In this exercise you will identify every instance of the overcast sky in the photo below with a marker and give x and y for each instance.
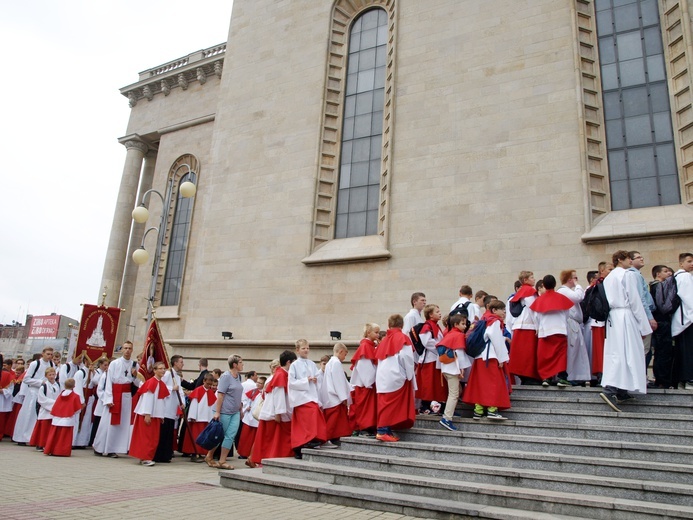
(63, 63)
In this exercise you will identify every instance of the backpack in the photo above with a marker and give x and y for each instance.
(462, 308)
(666, 297)
(211, 436)
(414, 334)
(475, 341)
(516, 308)
(597, 305)
(445, 355)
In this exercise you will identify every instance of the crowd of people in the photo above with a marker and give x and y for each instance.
(424, 362)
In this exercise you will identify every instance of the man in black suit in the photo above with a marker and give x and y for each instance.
(203, 364)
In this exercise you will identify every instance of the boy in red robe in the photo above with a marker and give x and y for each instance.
(47, 394)
(149, 414)
(65, 414)
(523, 345)
(552, 309)
(363, 412)
(200, 412)
(394, 381)
(430, 384)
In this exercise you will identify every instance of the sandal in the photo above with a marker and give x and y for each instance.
(250, 463)
(212, 463)
(224, 466)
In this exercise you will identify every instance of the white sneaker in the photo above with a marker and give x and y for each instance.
(147, 462)
(329, 445)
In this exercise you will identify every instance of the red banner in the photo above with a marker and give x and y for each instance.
(97, 331)
(154, 351)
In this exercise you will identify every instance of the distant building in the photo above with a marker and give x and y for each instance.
(39, 332)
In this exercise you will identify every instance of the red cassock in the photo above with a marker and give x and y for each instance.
(307, 424)
(523, 353)
(552, 355)
(40, 434)
(196, 427)
(59, 440)
(145, 437)
(245, 443)
(12, 419)
(396, 409)
(598, 338)
(487, 385)
(363, 412)
(5, 381)
(272, 440)
(430, 383)
(337, 421)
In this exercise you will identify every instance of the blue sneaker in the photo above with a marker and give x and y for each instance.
(448, 424)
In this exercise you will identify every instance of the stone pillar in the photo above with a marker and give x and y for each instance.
(122, 220)
(127, 290)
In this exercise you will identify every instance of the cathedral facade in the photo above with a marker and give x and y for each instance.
(347, 153)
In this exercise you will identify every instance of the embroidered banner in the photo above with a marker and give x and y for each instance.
(154, 350)
(97, 331)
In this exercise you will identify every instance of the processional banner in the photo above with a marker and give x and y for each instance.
(97, 331)
(154, 351)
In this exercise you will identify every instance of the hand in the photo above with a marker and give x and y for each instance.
(109, 404)
(217, 415)
(500, 365)
(134, 373)
(278, 418)
(147, 419)
(653, 324)
(312, 379)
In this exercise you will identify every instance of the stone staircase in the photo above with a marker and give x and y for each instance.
(563, 453)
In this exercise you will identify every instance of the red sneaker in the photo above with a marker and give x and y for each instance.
(386, 437)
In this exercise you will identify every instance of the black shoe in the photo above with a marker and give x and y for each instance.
(97, 453)
(610, 400)
(298, 455)
(21, 444)
(113, 455)
(625, 398)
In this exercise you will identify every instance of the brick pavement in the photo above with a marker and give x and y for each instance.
(86, 487)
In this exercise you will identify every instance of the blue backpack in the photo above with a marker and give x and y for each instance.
(476, 343)
(211, 436)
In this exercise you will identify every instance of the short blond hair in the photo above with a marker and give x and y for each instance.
(301, 342)
(339, 347)
(370, 327)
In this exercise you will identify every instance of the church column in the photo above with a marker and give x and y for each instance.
(122, 219)
(127, 291)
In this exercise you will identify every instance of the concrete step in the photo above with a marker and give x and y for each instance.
(589, 403)
(653, 395)
(601, 420)
(615, 432)
(555, 502)
(505, 441)
(628, 489)
(257, 481)
(609, 467)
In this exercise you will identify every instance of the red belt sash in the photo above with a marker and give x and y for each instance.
(118, 391)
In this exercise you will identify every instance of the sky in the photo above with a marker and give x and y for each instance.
(62, 113)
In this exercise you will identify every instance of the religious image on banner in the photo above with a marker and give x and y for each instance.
(154, 351)
(97, 331)
(73, 333)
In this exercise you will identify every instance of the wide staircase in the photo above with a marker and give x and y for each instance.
(563, 453)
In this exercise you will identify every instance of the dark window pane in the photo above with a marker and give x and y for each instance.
(655, 68)
(662, 126)
(348, 131)
(346, 152)
(351, 84)
(377, 123)
(619, 195)
(617, 165)
(356, 227)
(372, 222)
(361, 150)
(359, 174)
(632, 72)
(345, 176)
(353, 65)
(376, 147)
(653, 41)
(669, 189)
(614, 133)
(641, 162)
(666, 161)
(341, 226)
(635, 101)
(604, 24)
(369, 38)
(626, 18)
(379, 81)
(629, 46)
(373, 197)
(638, 130)
(612, 106)
(607, 50)
(609, 77)
(374, 173)
(367, 59)
(381, 56)
(643, 192)
(659, 97)
(343, 204)
(362, 126)
(364, 103)
(650, 13)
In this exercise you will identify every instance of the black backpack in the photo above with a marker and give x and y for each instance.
(597, 305)
(462, 308)
(414, 334)
(666, 297)
(516, 308)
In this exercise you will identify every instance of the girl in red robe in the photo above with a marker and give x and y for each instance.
(149, 414)
(65, 417)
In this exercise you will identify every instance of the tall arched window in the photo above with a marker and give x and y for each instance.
(179, 231)
(362, 128)
(639, 134)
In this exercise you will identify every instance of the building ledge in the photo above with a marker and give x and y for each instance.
(658, 222)
(349, 250)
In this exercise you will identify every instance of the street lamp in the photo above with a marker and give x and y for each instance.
(141, 214)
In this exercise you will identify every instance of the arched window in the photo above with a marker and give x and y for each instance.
(637, 115)
(184, 169)
(358, 196)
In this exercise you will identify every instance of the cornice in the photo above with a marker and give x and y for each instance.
(179, 73)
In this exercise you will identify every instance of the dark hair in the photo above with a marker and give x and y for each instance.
(619, 256)
(480, 294)
(455, 320)
(286, 356)
(658, 269)
(539, 285)
(209, 376)
(496, 305)
(175, 358)
(683, 256)
(395, 321)
(591, 275)
(549, 282)
(633, 254)
(488, 299)
(517, 284)
(203, 362)
(416, 296)
(250, 374)
(466, 290)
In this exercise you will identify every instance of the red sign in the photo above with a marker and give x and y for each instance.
(97, 331)
(44, 327)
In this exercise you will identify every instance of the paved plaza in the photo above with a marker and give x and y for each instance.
(35, 486)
